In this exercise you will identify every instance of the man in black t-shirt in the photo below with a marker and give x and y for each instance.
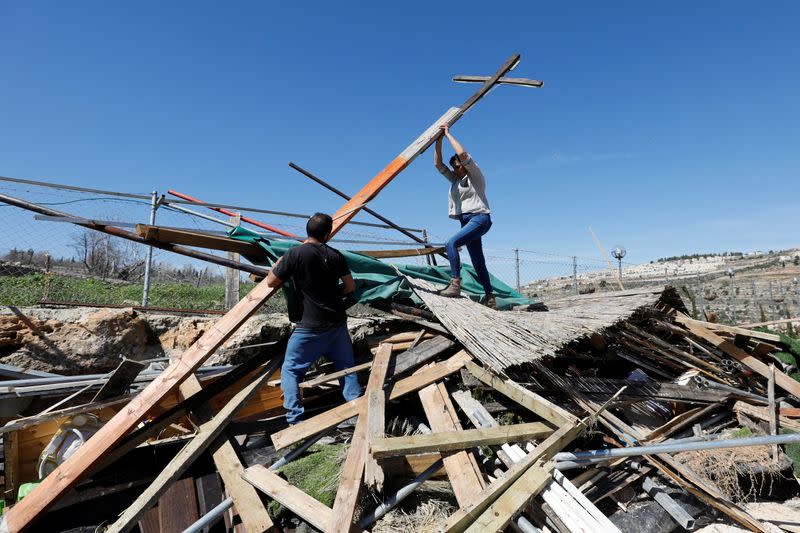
(315, 270)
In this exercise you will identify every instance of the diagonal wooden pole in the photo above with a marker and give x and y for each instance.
(54, 486)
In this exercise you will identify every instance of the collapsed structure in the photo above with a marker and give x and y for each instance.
(593, 383)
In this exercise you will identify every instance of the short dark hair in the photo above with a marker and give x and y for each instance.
(319, 226)
(453, 160)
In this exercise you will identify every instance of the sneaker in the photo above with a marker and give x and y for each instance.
(490, 301)
(453, 290)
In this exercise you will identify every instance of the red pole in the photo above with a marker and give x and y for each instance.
(231, 213)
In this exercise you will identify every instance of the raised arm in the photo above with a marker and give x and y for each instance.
(437, 152)
(460, 152)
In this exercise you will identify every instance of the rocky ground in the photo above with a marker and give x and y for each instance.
(93, 340)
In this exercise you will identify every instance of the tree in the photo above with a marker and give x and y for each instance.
(104, 257)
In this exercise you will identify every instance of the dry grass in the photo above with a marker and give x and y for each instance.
(725, 468)
(427, 517)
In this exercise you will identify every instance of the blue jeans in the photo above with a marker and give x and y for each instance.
(305, 347)
(473, 227)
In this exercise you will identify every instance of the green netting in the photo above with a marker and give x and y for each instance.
(377, 281)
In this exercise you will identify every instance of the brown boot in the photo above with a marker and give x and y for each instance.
(453, 290)
(490, 301)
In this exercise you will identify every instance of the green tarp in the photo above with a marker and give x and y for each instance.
(378, 282)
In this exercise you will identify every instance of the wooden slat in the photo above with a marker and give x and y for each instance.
(99, 445)
(498, 515)
(458, 440)
(462, 518)
(198, 240)
(252, 512)
(376, 416)
(462, 469)
(207, 433)
(344, 506)
(330, 418)
(529, 399)
(781, 379)
(300, 503)
(388, 254)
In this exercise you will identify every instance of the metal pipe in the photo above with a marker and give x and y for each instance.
(110, 230)
(249, 220)
(148, 265)
(210, 517)
(399, 496)
(655, 449)
(380, 217)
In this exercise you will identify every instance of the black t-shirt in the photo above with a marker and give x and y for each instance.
(315, 270)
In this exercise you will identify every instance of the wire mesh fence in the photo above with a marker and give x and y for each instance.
(49, 259)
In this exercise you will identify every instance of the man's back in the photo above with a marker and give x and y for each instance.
(315, 270)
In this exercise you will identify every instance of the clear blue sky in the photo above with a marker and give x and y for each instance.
(669, 128)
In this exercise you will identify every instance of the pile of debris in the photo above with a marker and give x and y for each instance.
(608, 412)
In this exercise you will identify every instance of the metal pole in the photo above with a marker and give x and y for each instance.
(615, 453)
(431, 259)
(516, 267)
(619, 267)
(575, 274)
(677, 512)
(753, 316)
(380, 217)
(782, 300)
(666, 278)
(732, 298)
(149, 263)
(796, 296)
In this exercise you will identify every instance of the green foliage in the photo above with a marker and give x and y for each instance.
(741, 433)
(29, 289)
(793, 451)
(690, 294)
(316, 474)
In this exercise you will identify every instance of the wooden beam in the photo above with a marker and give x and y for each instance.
(532, 401)
(553, 444)
(763, 413)
(334, 416)
(207, 433)
(300, 503)
(344, 506)
(419, 145)
(462, 468)
(409, 252)
(526, 82)
(252, 512)
(458, 440)
(197, 239)
(781, 379)
(771, 337)
(376, 416)
(98, 446)
(498, 515)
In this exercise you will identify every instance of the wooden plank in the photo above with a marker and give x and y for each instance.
(11, 467)
(198, 240)
(120, 380)
(99, 445)
(498, 515)
(532, 401)
(738, 330)
(231, 274)
(782, 380)
(330, 418)
(762, 413)
(462, 469)
(553, 444)
(344, 506)
(409, 252)
(207, 433)
(245, 498)
(376, 416)
(419, 145)
(177, 508)
(458, 440)
(300, 503)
